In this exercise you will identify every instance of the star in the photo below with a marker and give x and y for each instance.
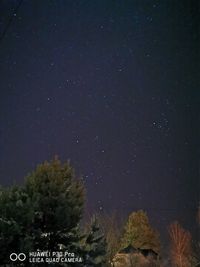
(116, 96)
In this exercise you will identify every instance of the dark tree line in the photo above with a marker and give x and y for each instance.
(45, 213)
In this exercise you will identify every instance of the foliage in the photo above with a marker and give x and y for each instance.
(139, 233)
(44, 213)
(57, 200)
(16, 217)
(95, 246)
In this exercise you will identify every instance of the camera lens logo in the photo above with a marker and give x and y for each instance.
(19, 257)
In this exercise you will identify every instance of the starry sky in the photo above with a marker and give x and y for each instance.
(112, 86)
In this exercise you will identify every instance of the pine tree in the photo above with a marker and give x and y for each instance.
(15, 219)
(43, 214)
(58, 200)
(95, 246)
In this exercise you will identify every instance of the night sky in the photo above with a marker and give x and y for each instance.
(111, 85)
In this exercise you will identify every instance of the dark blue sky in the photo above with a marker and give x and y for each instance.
(112, 85)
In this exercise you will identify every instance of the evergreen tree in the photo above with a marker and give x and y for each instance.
(139, 233)
(58, 200)
(15, 220)
(95, 246)
(43, 214)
